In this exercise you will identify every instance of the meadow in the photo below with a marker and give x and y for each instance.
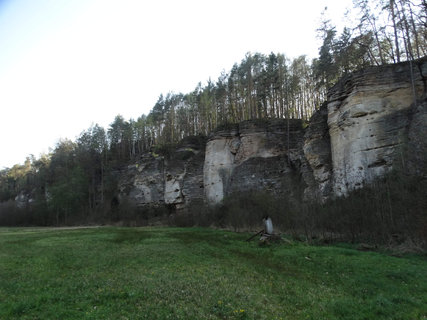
(199, 273)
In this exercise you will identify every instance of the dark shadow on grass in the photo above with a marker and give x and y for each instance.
(212, 237)
(264, 264)
(131, 236)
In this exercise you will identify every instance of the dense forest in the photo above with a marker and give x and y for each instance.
(77, 179)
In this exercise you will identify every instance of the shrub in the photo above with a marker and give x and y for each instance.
(390, 211)
(11, 215)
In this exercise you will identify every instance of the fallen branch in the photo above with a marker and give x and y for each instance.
(258, 233)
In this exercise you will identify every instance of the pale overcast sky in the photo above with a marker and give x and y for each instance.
(67, 64)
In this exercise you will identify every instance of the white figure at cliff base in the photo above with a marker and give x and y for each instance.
(268, 225)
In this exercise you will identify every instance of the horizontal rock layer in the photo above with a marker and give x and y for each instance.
(369, 116)
(257, 155)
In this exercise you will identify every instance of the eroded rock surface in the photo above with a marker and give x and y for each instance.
(369, 114)
(256, 155)
(156, 180)
(369, 125)
(317, 151)
(219, 164)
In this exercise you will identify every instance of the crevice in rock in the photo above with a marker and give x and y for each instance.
(381, 147)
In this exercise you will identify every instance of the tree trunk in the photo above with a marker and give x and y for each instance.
(396, 38)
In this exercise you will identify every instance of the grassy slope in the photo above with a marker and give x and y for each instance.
(171, 273)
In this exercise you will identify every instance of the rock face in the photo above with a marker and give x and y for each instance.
(417, 141)
(144, 181)
(219, 163)
(23, 199)
(369, 125)
(370, 114)
(317, 151)
(255, 155)
(157, 180)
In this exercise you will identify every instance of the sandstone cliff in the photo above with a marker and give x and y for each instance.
(368, 125)
(174, 180)
(373, 120)
(262, 155)
(317, 151)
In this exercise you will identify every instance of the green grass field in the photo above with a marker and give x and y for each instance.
(172, 273)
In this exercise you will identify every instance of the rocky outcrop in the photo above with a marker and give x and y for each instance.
(417, 141)
(369, 116)
(220, 154)
(369, 125)
(23, 199)
(255, 155)
(143, 182)
(174, 180)
(317, 151)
